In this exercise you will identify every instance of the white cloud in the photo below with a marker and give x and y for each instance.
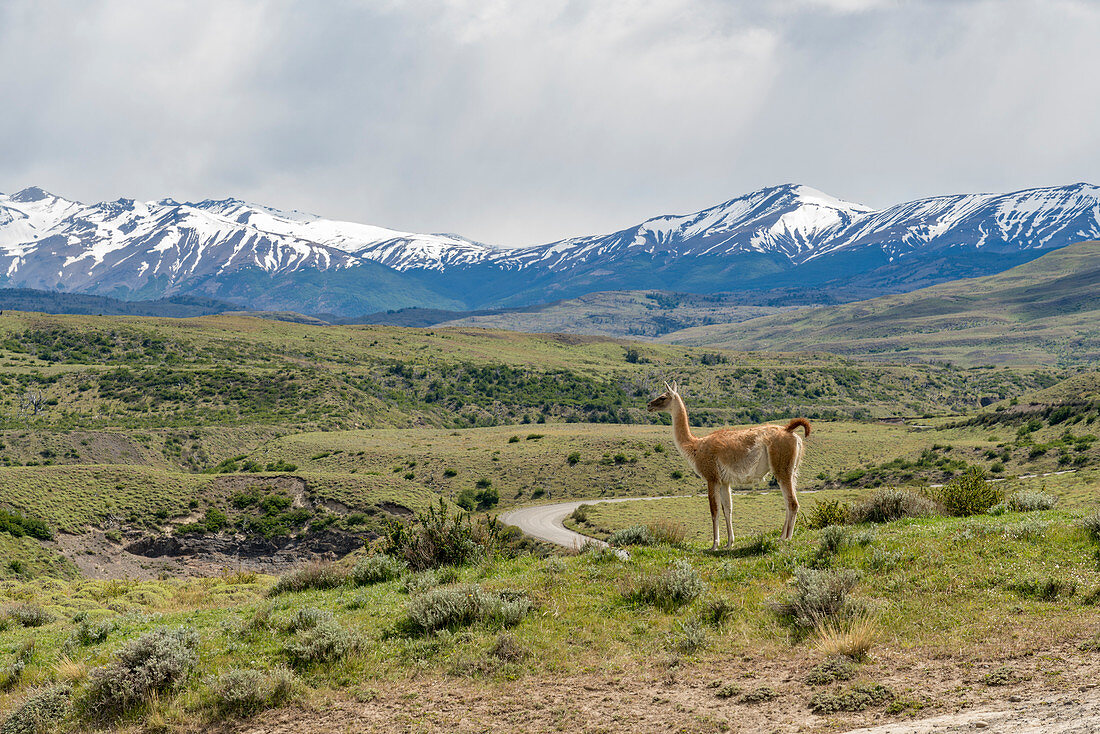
(517, 122)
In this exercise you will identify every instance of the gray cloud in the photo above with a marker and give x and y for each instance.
(518, 122)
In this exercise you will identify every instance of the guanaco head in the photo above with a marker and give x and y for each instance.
(664, 400)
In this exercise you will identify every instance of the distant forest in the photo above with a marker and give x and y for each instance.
(28, 299)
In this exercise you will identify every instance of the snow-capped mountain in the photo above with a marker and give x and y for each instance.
(782, 236)
(393, 248)
(1022, 220)
(789, 220)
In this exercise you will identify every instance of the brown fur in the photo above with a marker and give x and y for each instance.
(730, 456)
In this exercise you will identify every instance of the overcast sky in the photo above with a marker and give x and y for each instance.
(524, 121)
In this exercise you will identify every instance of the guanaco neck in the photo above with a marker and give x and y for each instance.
(680, 429)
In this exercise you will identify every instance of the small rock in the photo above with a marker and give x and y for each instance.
(980, 724)
(1015, 699)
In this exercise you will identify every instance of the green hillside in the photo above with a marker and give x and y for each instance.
(1046, 312)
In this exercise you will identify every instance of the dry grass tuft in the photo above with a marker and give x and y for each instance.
(668, 532)
(69, 670)
(852, 638)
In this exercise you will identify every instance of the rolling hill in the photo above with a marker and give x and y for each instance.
(1043, 312)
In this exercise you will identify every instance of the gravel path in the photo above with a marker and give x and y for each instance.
(1067, 714)
(546, 522)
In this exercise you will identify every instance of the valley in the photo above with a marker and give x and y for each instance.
(254, 480)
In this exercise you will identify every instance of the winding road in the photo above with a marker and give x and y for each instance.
(546, 522)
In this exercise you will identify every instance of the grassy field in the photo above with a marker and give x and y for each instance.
(214, 428)
(1042, 313)
(231, 371)
(945, 587)
(762, 510)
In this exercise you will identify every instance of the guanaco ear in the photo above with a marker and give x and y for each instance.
(675, 388)
(669, 387)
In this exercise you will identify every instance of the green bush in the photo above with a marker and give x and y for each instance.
(580, 514)
(1048, 589)
(834, 669)
(17, 525)
(376, 569)
(30, 615)
(313, 576)
(969, 494)
(717, 610)
(677, 586)
(1091, 525)
(819, 596)
(440, 539)
(687, 637)
(1025, 502)
(827, 512)
(41, 711)
(325, 642)
(88, 632)
(887, 505)
(462, 606)
(635, 535)
(238, 692)
(833, 539)
(156, 662)
(857, 698)
(306, 618)
(573, 458)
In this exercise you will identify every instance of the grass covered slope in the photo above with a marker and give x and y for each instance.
(1044, 312)
(731, 636)
(82, 372)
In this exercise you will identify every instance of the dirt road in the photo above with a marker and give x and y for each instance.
(545, 522)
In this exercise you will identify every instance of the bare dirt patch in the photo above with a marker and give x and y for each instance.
(1055, 691)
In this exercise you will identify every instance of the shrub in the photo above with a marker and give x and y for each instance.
(668, 532)
(677, 586)
(88, 632)
(306, 618)
(827, 512)
(635, 535)
(886, 505)
(30, 615)
(573, 458)
(440, 539)
(376, 569)
(10, 675)
(833, 538)
(1091, 526)
(418, 583)
(837, 668)
(1024, 502)
(41, 711)
(760, 544)
(969, 494)
(759, 695)
(509, 649)
(580, 514)
(313, 576)
(238, 692)
(687, 637)
(17, 525)
(1048, 589)
(461, 606)
(325, 642)
(857, 698)
(819, 596)
(156, 662)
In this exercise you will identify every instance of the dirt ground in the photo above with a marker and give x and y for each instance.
(1052, 690)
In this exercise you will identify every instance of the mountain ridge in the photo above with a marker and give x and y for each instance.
(785, 236)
